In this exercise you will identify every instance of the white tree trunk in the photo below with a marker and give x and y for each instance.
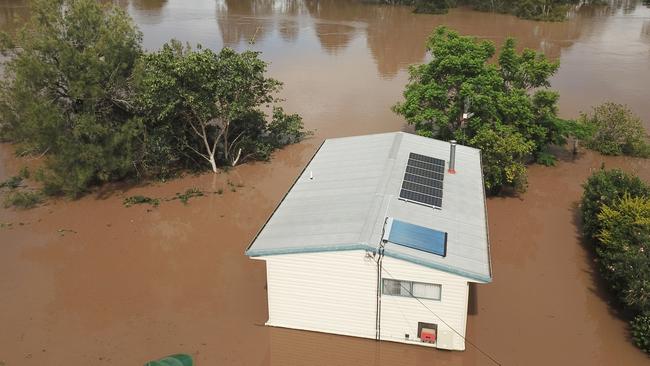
(234, 162)
(213, 163)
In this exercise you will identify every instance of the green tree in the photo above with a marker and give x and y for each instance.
(433, 6)
(210, 104)
(65, 91)
(436, 94)
(547, 10)
(615, 130)
(460, 92)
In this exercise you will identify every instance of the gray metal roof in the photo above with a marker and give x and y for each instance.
(343, 197)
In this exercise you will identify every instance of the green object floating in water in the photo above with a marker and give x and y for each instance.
(174, 360)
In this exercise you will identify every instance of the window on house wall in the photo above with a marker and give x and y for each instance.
(426, 290)
(421, 290)
(397, 288)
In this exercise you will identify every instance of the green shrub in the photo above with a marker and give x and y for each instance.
(285, 129)
(623, 250)
(433, 6)
(12, 182)
(189, 193)
(615, 130)
(616, 216)
(24, 173)
(547, 159)
(138, 200)
(23, 199)
(605, 187)
(640, 329)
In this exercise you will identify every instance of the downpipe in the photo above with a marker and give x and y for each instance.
(380, 258)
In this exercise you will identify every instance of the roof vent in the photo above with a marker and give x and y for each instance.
(452, 157)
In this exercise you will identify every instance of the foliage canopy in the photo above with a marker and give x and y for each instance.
(546, 10)
(461, 95)
(79, 89)
(210, 105)
(66, 91)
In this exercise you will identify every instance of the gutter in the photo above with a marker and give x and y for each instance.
(487, 226)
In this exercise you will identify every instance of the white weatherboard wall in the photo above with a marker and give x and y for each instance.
(333, 292)
(400, 315)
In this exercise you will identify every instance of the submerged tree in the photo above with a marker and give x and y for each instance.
(547, 10)
(211, 103)
(79, 90)
(65, 91)
(503, 149)
(614, 130)
(460, 93)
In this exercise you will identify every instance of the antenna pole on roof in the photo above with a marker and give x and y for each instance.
(452, 157)
(466, 113)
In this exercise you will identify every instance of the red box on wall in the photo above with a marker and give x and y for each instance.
(428, 335)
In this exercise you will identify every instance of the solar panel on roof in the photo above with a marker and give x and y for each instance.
(423, 180)
(427, 159)
(416, 237)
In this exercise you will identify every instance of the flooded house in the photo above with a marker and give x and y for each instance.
(380, 237)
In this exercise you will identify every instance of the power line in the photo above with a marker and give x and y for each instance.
(442, 320)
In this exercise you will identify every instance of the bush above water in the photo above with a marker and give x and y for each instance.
(615, 130)
(139, 200)
(616, 220)
(23, 199)
(623, 249)
(604, 188)
(640, 328)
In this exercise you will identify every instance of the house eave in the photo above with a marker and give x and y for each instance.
(474, 277)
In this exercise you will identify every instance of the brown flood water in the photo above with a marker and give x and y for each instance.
(126, 285)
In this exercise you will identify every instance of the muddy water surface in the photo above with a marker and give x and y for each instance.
(91, 282)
